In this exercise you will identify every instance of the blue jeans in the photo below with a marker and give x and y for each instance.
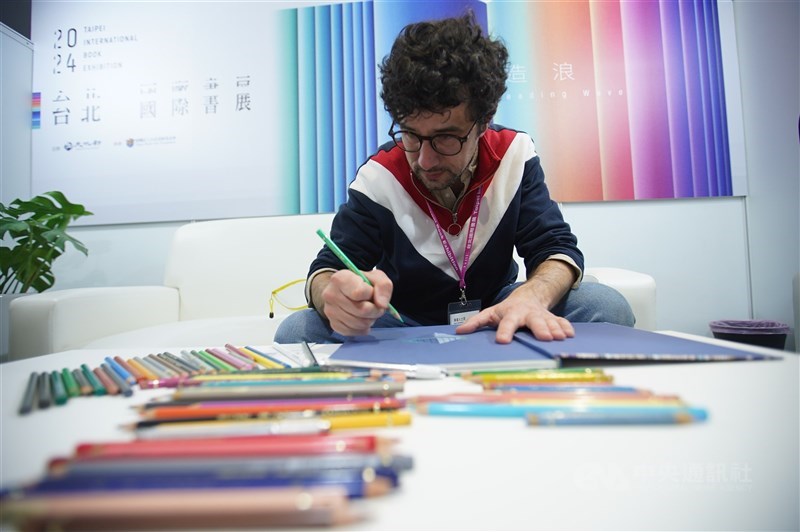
(590, 302)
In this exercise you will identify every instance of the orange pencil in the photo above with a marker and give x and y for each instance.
(141, 371)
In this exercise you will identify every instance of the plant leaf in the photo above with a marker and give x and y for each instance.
(33, 234)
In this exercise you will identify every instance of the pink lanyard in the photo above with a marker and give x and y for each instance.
(448, 249)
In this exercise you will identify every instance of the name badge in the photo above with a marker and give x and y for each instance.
(460, 311)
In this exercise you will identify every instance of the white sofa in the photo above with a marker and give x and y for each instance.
(217, 285)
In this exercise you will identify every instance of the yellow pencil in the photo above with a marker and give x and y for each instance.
(542, 377)
(264, 361)
(367, 420)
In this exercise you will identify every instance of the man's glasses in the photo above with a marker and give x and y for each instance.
(443, 143)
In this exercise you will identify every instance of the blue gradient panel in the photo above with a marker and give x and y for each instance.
(351, 161)
(678, 118)
(288, 120)
(359, 129)
(339, 129)
(307, 110)
(370, 79)
(723, 159)
(324, 131)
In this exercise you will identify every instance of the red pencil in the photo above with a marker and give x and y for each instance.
(284, 445)
(110, 386)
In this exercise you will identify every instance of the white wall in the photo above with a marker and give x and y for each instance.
(768, 34)
(723, 258)
(16, 75)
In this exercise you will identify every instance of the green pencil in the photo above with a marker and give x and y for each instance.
(59, 390)
(69, 382)
(352, 267)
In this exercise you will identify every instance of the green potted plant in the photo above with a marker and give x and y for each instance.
(33, 234)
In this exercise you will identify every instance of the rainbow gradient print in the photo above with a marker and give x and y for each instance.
(625, 100)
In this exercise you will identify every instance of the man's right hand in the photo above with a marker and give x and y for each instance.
(349, 304)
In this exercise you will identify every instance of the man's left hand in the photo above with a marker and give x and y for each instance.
(528, 306)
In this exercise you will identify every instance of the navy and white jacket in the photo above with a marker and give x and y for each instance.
(386, 224)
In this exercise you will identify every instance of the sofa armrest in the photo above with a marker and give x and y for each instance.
(67, 319)
(638, 288)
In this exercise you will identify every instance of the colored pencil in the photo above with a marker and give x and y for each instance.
(275, 376)
(120, 371)
(324, 422)
(230, 359)
(127, 367)
(361, 420)
(190, 367)
(59, 390)
(477, 373)
(232, 465)
(541, 377)
(164, 509)
(69, 383)
(207, 367)
(509, 397)
(588, 387)
(97, 386)
(123, 386)
(110, 386)
(210, 359)
(656, 417)
(229, 427)
(45, 395)
(160, 369)
(356, 483)
(141, 372)
(252, 351)
(284, 445)
(29, 397)
(204, 393)
(238, 408)
(522, 410)
(294, 380)
(353, 268)
(177, 369)
(83, 383)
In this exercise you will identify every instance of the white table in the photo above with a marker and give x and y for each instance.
(739, 470)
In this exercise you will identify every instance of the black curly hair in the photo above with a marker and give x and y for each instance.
(436, 65)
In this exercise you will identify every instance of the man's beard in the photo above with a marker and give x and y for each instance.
(438, 184)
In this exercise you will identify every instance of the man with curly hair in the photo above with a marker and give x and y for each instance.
(433, 218)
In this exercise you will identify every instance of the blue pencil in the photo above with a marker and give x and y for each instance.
(119, 370)
(353, 480)
(656, 417)
(523, 410)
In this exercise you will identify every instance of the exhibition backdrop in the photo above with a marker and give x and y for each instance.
(160, 111)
